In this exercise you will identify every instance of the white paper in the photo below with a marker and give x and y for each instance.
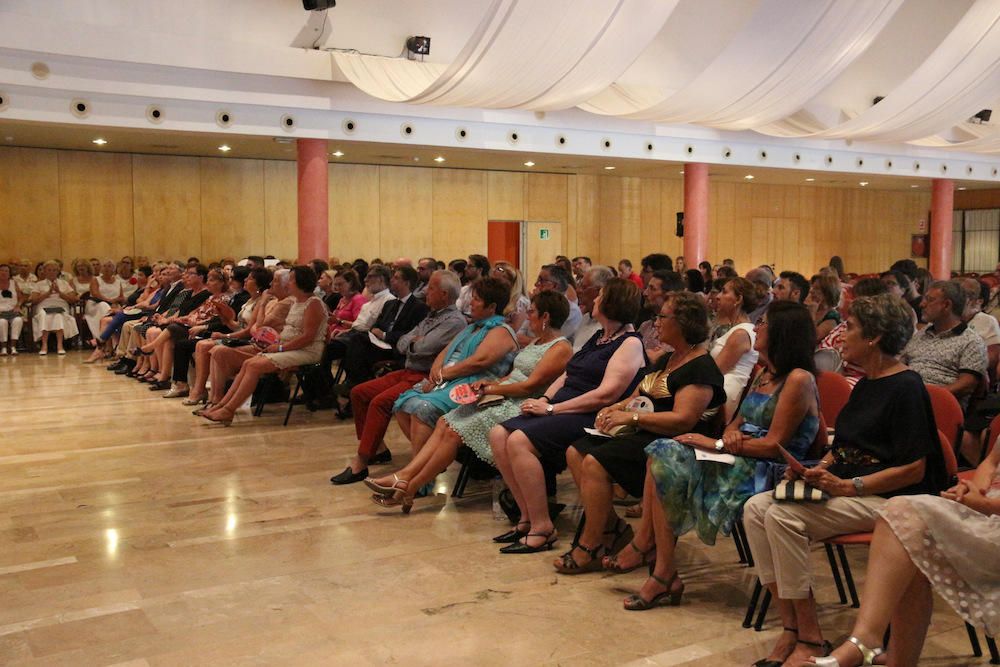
(594, 431)
(702, 455)
(378, 343)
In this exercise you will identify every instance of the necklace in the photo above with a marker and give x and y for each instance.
(671, 366)
(603, 340)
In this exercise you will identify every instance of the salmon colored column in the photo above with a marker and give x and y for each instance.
(695, 214)
(314, 206)
(942, 207)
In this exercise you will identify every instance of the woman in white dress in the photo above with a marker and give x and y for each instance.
(732, 339)
(106, 291)
(52, 297)
(10, 311)
(949, 544)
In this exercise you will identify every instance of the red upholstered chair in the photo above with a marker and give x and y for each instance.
(947, 412)
(834, 391)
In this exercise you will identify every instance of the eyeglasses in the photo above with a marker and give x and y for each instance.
(543, 281)
(668, 316)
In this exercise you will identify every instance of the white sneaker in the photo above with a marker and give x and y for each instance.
(61, 352)
(13, 351)
(42, 353)
(3, 352)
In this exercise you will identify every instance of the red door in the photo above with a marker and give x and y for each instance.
(503, 241)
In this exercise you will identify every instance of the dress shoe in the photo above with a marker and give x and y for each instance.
(348, 477)
(176, 393)
(159, 386)
(384, 456)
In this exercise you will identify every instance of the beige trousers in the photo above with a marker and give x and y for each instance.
(780, 534)
(125, 337)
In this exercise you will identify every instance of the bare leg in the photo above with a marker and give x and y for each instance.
(167, 360)
(527, 470)
(420, 459)
(441, 451)
(666, 541)
(644, 534)
(419, 433)
(44, 341)
(202, 363)
(244, 385)
(501, 456)
(809, 630)
(595, 493)
(59, 340)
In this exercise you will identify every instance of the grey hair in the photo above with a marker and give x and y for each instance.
(600, 275)
(450, 283)
(284, 275)
(179, 264)
(953, 292)
(886, 317)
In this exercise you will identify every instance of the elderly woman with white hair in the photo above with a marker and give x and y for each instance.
(107, 290)
(52, 297)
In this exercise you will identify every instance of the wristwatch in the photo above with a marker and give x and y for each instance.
(859, 485)
(549, 409)
(720, 446)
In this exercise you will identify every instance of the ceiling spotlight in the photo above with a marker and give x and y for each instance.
(224, 148)
(914, 186)
(681, 172)
(418, 46)
(337, 153)
(529, 163)
(610, 168)
(100, 142)
(810, 180)
(439, 158)
(862, 183)
(748, 177)
(963, 188)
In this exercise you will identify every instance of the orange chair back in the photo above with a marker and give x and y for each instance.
(947, 412)
(834, 391)
(950, 462)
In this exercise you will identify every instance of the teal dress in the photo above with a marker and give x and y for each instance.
(428, 407)
(473, 424)
(707, 496)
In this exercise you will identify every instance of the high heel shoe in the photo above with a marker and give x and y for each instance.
(646, 557)
(225, 421)
(397, 499)
(387, 490)
(868, 655)
(194, 400)
(569, 565)
(525, 548)
(668, 598)
(205, 408)
(513, 535)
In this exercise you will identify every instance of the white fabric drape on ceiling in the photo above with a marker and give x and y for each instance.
(959, 78)
(523, 54)
(782, 57)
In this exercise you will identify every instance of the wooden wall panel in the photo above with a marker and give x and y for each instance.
(281, 210)
(671, 201)
(611, 202)
(586, 222)
(29, 204)
(458, 214)
(405, 212)
(355, 226)
(650, 227)
(505, 195)
(976, 199)
(95, 204)
(232, 207)
(547, 199)
(631, 219)
(166, 201)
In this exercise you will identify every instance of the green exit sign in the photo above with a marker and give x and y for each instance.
(543, 234)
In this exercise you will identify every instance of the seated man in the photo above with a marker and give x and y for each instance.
(947, 352)
(658, 286)
(398, 317)
(553, 277)
(372, 401)
(593, 282)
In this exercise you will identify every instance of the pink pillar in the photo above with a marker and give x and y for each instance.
(695, 214)
(314, 205)
(942, 206)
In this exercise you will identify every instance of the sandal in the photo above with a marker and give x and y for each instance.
(568, 565)
(398, 498)
(623, 535)
(513, 535)
(387, 490)
(766, 662)
(668, 598)
(868, 655)
(525, 548)
(645, 558)
(194, 400)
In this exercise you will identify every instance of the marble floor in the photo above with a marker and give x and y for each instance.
(132, 533)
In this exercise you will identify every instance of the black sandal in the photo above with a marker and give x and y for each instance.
(623, 534)
(568, 565)
(513, 535)
(764, 662)
(525, 548)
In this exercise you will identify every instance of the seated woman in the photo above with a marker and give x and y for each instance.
(732, 343)
(51, 297)
(835, 339)
(301, 343)
(106, 292)
(10, 312)
(483, 350)
(949, 544)
(822, 300)
(515, 311)
(344, 301)
(535, 367)
(685, 389)
(142, 299)
(530, 449)
(683, 493)
(886, 445)
(240, 330)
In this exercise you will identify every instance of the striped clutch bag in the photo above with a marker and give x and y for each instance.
(798, 491)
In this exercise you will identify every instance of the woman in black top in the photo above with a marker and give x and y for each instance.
(886, 444)
(686, 391)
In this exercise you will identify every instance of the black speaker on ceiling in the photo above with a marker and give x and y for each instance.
(680, 224)
(318, 5)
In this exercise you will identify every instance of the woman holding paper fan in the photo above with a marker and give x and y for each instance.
(687, 490)
(536, 366)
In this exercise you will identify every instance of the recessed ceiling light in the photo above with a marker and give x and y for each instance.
(337, 153)
(610, 168)
(439, 158)
(681, 172)
(748, 177)
(963, 188)
(529, 163)
(100, 142)
(810, 180)
(914, 186)
(862, 183)
(224, 148)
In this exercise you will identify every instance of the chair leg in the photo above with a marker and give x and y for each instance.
(991, 644)
(848, 576)
(752, 605)
(739, 544)
(463, 474)
(746, 544)
(835, 571)
(977, 650)
(291, 399)
(764, 604)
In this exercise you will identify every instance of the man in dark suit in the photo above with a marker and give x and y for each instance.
(396, 319)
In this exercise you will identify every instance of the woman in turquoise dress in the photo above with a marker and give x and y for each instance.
(483, 350)
(683, 493)
(536, 366)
